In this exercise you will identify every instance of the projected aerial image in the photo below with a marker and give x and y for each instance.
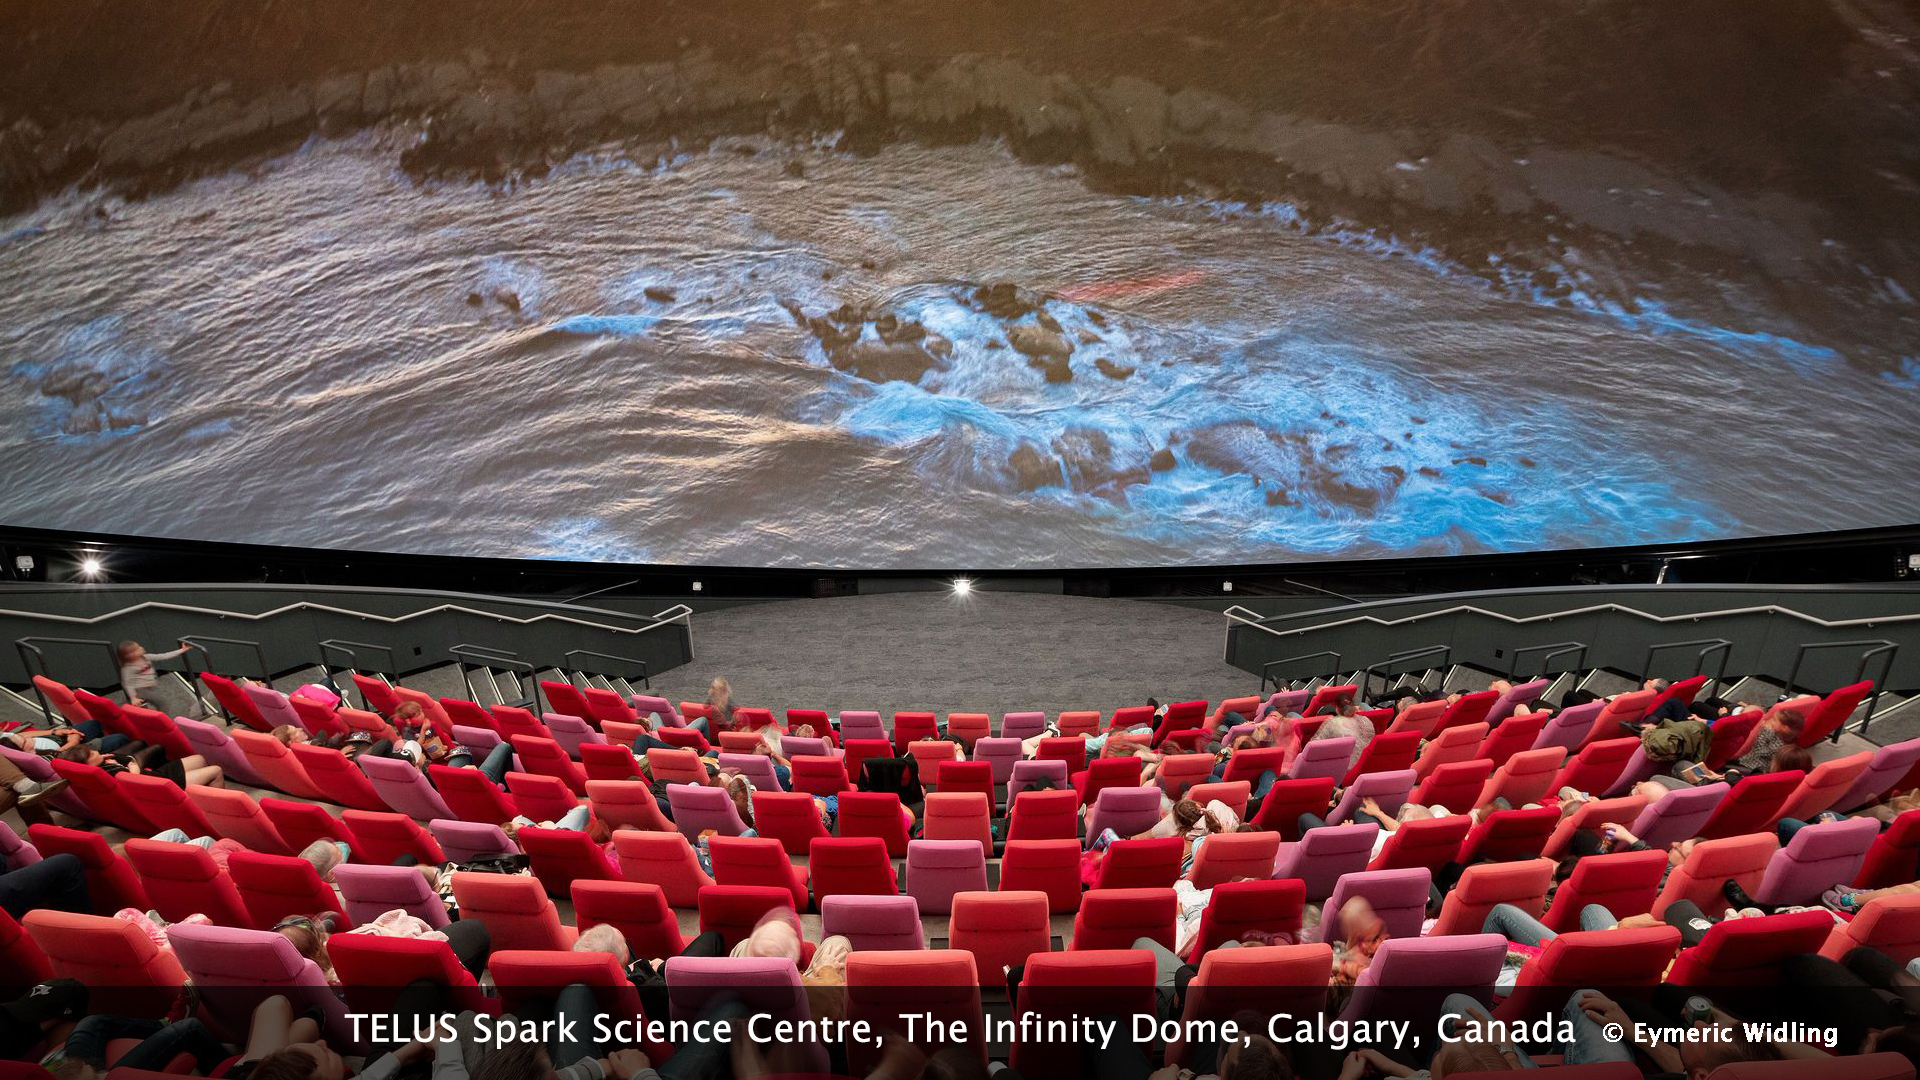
(915, 285)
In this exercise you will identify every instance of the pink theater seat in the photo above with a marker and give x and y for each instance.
(1144, 864)
(471, 796)
(747, 860)
(235, 816)
(275, 886)
(875, 813)
(560, 857)
(1398, 897)
(1280, 980)
(1026, 773)
(1817, 858)
(1116, 918)
(230, 966)
(733, 911)
(1625, 883)
(540, 797)
(1678, 815)
(757, 768)
(1047, 866)
(804, 746)
(371, 891)
(276, 764)
(1128, 811)
(1021, 726)
(858, 866)
(639, 910)
(664, 858)
(1525, 778)
(466, 841)
(103, 951)
(163, 804)
(769, 986)
(626, 804)
(1389, 987)
(697, 809)
(1320, 856)
(1505, 835)
(1590, 817)
(214, 744)
(1389, 789)
(181, 880)
(1243, 907)
(402, 787)
(1000, 930)
(1824, 786)
(111, 883)
(515, 909)
(1522, 884)
(571, 734)
(1325, 758)
(1622, 960)
(1569, 728)
(16, 852)
(1429, 843)
(862, 725)
(1888, 766)
(546, 758)
(344, 784)
(1711, 864)
(1455, 787)
(1753, 805)
(646, 705)
(273, 706)
(381, 839)
(888, 923)
(1230, 856)
(1096, 982)
(938, 869)
(1507, 704)
(819, 775)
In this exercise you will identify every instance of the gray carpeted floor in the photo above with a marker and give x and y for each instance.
(988, 652)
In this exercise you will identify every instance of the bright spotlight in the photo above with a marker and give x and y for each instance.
(90, 566)
(962, 586)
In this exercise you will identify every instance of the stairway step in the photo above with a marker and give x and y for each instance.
(1606, 683)
(1754, 690)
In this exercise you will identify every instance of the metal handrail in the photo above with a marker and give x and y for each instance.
(487, 658)
(573, 668)
(259, 654)
(1240, 614)
(32, 656)
(1266, 669)
(1557, 648)
(347, 648)
(1713, 645)
(1384, 667)
(678, 613)
(1880, 647)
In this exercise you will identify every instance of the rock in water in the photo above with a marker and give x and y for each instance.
(659, 294)
(1036, 341)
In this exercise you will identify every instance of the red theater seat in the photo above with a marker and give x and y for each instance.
(1455, 787)
(1147, 864)
(1385, 753)
(1240, 907)
(1625, 883)
(1229, 856)
(104, 801)
(1597, 766)
(734, 910)
(755, 860)
(515, 909)
(963, 777)
(665, 859)
(874, 813)
(1116, 918)
(235, 816)
(1279, 980)
(910, 727)
(1116, 982)
(275, 886)
(373, 969)
(1280, 811)
(560, 857)
(626, 804)
(101, 951)
(381, 839)
(111, 883)
(1000, 930)
(542, 797)
(884, 988)
(1711, 864)
(850, 866)
(606, 761)
(1753, 805)
(164, 804)
(1743, 956)
(471, 796)
(1522, 884)
(235, 701)
(1044, 815)
(1429, 843)
(331, 772)
(1518, 733)
(1510, 834)
(1622, 960)
(1893, 855)
(969, 728)
(181, 880)
(639, 910)
(545, 757)
(790, 818)
(822, 776)
(1051, 867)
